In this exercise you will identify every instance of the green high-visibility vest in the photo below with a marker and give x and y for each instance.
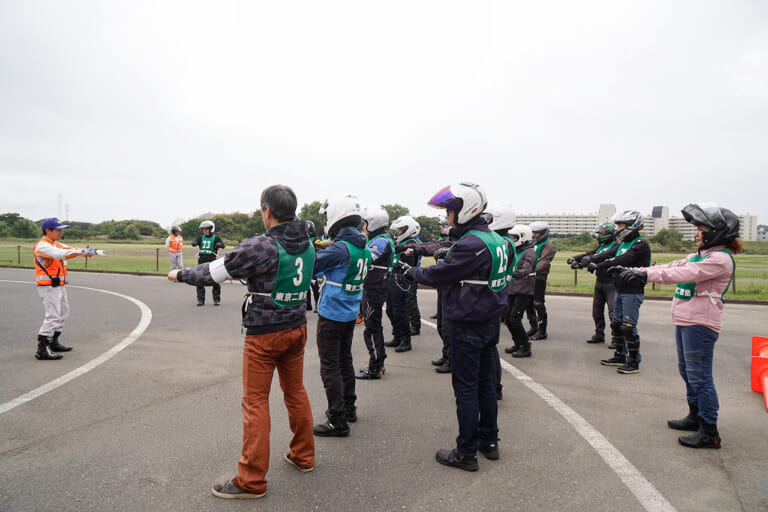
(206, 244)
(497, 279)
(294, 275)
(359, 264)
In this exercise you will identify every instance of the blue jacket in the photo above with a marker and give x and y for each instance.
(332, 264)
(468, 259)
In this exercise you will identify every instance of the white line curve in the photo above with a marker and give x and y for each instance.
(146, 318)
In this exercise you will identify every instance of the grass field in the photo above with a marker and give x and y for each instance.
(751, 269)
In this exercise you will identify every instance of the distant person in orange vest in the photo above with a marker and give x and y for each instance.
(50, 277)
(173, 243)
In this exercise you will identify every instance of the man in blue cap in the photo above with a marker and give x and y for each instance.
(50, 277)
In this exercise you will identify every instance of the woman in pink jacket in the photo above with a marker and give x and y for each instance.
(697, 308)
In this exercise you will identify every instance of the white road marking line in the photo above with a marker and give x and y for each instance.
(645, 492)
(146, 318)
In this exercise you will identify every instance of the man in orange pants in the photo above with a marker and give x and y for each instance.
(278, 268)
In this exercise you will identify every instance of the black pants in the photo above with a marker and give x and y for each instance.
(373, 334)
(604, 295)
(537, 308)
(513, 318)
(397, 308)
(334, 346)
(414, 315)
(443, 326)
(215, 290)
(472, 361)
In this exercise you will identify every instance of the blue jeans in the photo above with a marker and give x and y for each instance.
(695, 351)
(626, 309)
(472, 371)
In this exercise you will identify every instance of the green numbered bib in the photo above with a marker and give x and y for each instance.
(206, 244)
(359, 264)
(294, 274)
(497, 279)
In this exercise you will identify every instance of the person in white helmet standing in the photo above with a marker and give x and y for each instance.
(521, 288)
(375, 288)
(475, 272)
(344, 266)
(545, 253)
(209, 244)
(402, 309)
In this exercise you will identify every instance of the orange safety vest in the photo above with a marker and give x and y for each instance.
(46, 267)
(175, 244)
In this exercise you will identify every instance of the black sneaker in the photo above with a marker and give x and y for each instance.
(404, 346)
(438, 362)
(630, 367)
(392, 343)
(328, 429)
(596, 339)
(201, 303)
(490, 450)
(523, 351)
(444, 368)
(415, 332)
(614, 361)
(512, 349)
(451, 458)
(217, 303)
(539, 335)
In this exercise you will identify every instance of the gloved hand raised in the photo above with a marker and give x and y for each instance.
(440, 253)
(629, 275)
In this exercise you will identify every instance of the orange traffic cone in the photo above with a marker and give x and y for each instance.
(760, 366)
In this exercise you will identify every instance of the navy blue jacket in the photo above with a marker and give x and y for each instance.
(469, 258)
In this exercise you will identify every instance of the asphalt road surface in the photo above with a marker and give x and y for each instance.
(153, 424)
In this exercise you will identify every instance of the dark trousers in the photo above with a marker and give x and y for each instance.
(373, 334)
(513, 317)
(537, 310)
(414, 315)
(472, 362)
(334, 346)
(443, 326)
(604, 295)
(215, 290)
(397, 308)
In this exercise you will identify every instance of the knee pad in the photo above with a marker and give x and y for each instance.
(616, 326)
(626, 331)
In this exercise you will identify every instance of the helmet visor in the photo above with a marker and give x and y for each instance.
(445, 199)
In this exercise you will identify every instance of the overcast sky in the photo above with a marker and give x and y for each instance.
(165, 110)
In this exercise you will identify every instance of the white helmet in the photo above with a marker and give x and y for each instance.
(338, 209)
(376, 218)
(409, 226)
(540, 226)
(466, 199)
(503, 216)
(523, 234)
(208, 224)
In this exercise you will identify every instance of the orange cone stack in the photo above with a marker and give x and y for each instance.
(760, 366)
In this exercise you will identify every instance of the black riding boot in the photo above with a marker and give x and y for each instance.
(618, 358)
(690, 422)
(43, 349)
(633, 365)
(56, 345)
(706, 437)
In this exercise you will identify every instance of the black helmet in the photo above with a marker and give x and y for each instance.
(632, 219)
(175, 229)
(604, 232)
(722, 222)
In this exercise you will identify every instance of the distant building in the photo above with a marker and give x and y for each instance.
(573, 224)
(762, 233)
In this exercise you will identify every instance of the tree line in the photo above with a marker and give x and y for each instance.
(241, 226)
